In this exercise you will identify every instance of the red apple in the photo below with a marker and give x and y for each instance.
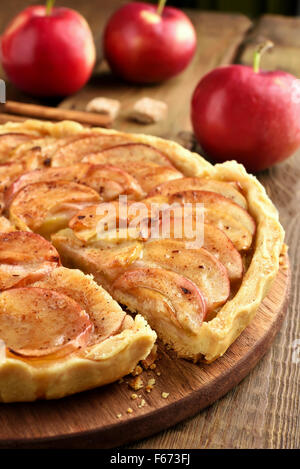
(48, 52)
(241, 113)
(146, 45)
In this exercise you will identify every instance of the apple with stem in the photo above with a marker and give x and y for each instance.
(147, 44)
(47, 51)
(247, 114)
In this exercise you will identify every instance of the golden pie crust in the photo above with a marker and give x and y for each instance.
(214, 337)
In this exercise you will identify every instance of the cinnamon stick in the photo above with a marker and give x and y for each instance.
(52, 113)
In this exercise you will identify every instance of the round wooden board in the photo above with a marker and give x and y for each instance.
(90, 419)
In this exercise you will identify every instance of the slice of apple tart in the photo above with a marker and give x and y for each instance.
(198, 297)
(60, 332)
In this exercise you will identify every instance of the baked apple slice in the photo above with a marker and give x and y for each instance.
(198, 265)
(111, 222)
(221, 212)
(36, 153)
(24, 258)
(180, 298)
(42, 323)
(227, 189)
(46, 207)
(10, 141)
(8, 173)
(5, 225)
(105, 313)
(108, 181)
(111, 181)
(131, 153)
(214, 240)
(72, 152)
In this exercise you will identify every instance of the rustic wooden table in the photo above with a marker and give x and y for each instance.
(263, 411)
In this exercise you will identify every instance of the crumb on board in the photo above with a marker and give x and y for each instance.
(133, 396)
(129, 410)
(165, 395)
(137, 371)
(150, 384)
(142, 403)
(136, 383)
(105, 106)
(119, 416)
(158, 373)
(148, 111)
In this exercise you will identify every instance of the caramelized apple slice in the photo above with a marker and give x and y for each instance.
(105, 313)
(41, 323)
(8, 173)
(38, 153)
(10, 141)
(24, 258)
(70, 173)
(221, 212)
(183, 299)
(111, 222)
(108, 181)
(35, 154)
(6, 226)
(45, 207)
(73, 152)
(198, 265)
(111, 181)
(131, 153)
(149, 175)
(214, 240)
(227, 189)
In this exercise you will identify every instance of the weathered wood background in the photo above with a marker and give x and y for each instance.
(263, 411)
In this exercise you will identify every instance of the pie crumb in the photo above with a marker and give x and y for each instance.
(134, 396)
(136, 383)
(137, 371)
(129, 410)
(119, 416)
(142, 403)
(165, 395)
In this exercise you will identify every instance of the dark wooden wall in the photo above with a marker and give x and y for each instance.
(248, 7)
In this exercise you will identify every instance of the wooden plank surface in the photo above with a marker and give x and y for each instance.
(191, 388)
(263, 411)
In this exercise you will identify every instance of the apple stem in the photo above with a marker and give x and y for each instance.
(262, 49)
(49, 6)
(161, 6)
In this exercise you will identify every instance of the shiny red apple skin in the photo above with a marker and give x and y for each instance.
(250, 117)
(48, 55)
(143, 47)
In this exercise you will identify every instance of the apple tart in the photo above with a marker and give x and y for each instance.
(197, 297)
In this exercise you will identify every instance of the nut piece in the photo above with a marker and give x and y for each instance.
(149, 111)
(106, 106)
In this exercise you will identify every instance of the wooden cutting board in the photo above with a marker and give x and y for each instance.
(90, 419)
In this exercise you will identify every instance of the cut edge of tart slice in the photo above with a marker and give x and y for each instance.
(109, 350)
(182, 303)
